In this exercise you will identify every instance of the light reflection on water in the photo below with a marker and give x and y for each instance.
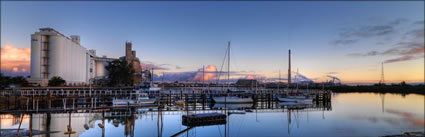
(352, 114)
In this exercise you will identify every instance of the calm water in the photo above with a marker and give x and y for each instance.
(350, 114)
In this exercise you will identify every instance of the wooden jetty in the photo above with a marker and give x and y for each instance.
(37, 100)
(204, 119)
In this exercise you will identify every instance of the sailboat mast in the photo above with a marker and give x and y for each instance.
(289, 69)
(228, 66)
(151, 84)
(163, 75)
(296, 79)
(203, 77)
(203, 74)
(278, 82)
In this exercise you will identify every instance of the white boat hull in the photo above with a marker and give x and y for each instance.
(288, 103)
(305, 101)
(232, 99)
(233, 106)
(122, 102)
(287, 99)
(146, 101)
(299, 99)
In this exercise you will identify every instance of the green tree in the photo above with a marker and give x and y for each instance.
(403, 83)
(56, 81)
(5, 81)
(120, 73)
(20, 80)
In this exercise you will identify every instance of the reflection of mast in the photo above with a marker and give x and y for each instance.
(307, 117)
(297, 119)
(289, 121)
(159, 126)
(103, 124)
(382, 102)
(256, 117)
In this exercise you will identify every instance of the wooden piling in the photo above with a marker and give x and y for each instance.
(30, 125)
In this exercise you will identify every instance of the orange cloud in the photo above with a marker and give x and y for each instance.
(15, 59)
(210, 71)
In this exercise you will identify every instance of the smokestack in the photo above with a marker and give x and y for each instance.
(289, 68)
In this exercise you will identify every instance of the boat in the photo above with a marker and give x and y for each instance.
(288, 103)
(240, 106)
(305, 101)
(299, 99)
(232, 99)
(180, 103)
(296, 97)
(236, 112)
(286, 99)
(294, 105)
(143, 98)
(122, 102)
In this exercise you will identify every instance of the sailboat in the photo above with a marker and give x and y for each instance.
(231, 99)
(143, 98)
(297, 97)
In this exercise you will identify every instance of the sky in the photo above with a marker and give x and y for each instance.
(348, 40)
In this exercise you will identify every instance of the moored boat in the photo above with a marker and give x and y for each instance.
(143, 98)
(122, 102)
(296, 98)
(239, 106)
(232, 99)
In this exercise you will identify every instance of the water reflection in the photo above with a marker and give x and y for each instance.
(368, 115)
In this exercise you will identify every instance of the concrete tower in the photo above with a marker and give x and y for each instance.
(128, 52)
(54, 54)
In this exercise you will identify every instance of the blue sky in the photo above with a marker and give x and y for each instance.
(191, 34)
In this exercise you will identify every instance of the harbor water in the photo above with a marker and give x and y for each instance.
(348, 114)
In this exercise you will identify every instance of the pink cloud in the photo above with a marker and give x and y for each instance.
(15, 59)
(255, 76)
(210, 73)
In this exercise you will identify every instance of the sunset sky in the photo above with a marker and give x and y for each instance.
(348, 40)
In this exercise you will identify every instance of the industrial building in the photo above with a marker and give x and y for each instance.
(130, 57)
(53, 54)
